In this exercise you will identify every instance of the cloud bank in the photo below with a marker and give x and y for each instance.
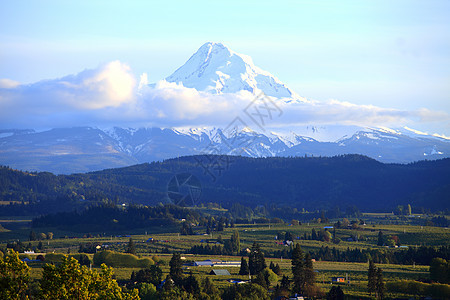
(111, 96)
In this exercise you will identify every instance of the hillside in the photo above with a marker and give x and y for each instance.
(310, 183)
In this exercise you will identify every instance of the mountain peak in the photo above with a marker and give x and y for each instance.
(217, 69)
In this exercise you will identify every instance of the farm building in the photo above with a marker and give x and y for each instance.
(217, 263)
(227, 263)
(206, 263)
(338, 279)
(220, 272)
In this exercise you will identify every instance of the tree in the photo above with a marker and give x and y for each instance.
(32, 235)
(261, 280)
(131, 247)
(285, 283)
(380, 238)
(256, 260)
(176, 272)
(298, 270)
(49, 235)
(244, 267)
(220, 225)
(14, 276)
(275, 268)
(152, 275)
(409, 210)
(313, 234)
(210, 289)
(147, 291)
(380, 284)
(270, 276)
(345, 223)
(335, 293)
(309, 274)
(371, 276)
(325, 235)
(245, 291)
(191, 284)
(235, 242)
(186, 229)
(69, 280)
(440, 270)
(288, 236)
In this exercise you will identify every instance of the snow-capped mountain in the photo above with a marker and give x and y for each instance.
(217, 69)
(83, 149)
(214, 68)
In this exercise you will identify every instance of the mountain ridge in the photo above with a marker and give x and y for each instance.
(84, 149)
(311, 183)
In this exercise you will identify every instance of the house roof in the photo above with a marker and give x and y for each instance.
(203, 263)
(222, 272)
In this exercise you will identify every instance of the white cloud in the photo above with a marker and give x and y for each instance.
(110, 85)
(6, 83)
(109, 95)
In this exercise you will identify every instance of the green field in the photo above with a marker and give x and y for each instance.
(355, 273)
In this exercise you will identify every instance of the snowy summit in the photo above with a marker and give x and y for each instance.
(216, 69)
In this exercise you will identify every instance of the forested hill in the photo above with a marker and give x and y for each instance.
(310, 183)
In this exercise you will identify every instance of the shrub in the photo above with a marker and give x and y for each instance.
(116, 259)
(23, 256)
(54, 257)
(412, 287)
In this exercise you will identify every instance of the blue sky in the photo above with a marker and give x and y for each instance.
(391, 54)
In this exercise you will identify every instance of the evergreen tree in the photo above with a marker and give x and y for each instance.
(285, 283)
(32, 235)
(244, 267)
(298, 267)
(191, 284)
(309, 274)
(261, 280)
(313, 234)
(235, 242)
(372, 278)
(168, 283)
(256, 260)
(277, 269)
(288, 236)
(209, 288)
(380, 238)
(440, 270)
(220, 225)
(131, 247)
(335, 293)
(176, 272)
(409, 210)
(380, 284)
